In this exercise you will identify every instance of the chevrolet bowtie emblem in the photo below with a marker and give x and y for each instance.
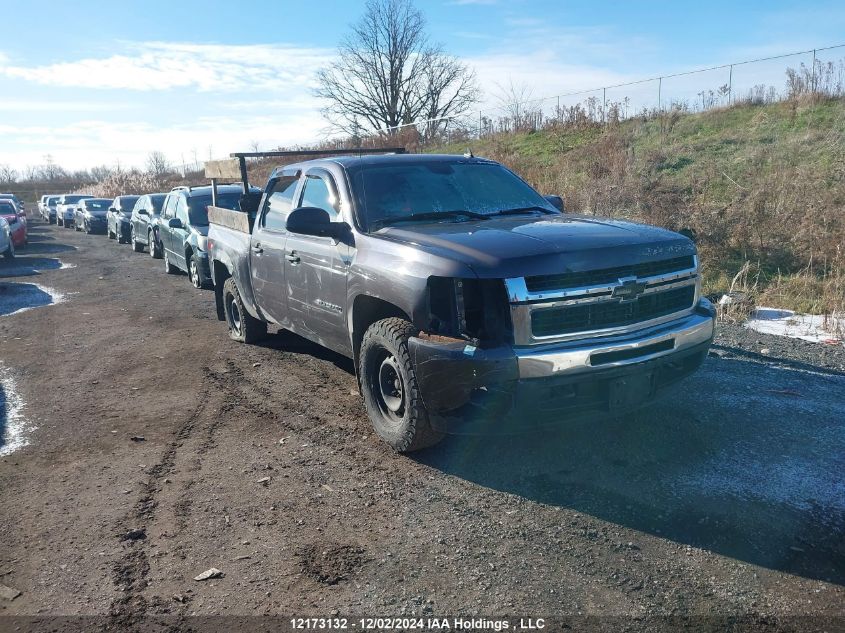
(629, 289)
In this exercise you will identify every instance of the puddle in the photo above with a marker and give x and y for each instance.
(14, 428)
(26, 266)
(20, 297)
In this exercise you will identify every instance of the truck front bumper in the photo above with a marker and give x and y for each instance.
(462, 385)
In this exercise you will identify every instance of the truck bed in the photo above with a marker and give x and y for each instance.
(235, 220)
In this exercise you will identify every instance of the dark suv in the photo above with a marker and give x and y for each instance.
(90, 215)
(118, 218)
(183, 228)
(143, 225)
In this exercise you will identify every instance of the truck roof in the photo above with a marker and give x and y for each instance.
(350, 162)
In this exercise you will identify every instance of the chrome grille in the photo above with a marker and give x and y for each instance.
(607, 314)
(607, 301)
(542, 283)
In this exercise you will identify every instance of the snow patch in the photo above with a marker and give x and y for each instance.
(808, 327)
(15, 429)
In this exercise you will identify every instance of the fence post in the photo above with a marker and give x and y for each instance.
(730, 84)
(604, 105)
(659, 94)
(814, 72)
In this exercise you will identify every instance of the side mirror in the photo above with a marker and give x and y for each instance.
(314, 221)
(112, 209)
(175, 223)
(143, 212)
(557, 202)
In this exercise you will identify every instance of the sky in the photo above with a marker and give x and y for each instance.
(104, 83)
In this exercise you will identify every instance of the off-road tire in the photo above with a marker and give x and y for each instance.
(243, 327)
(412, 430)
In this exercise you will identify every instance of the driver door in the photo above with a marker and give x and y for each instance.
(267, 248)
(316, 268)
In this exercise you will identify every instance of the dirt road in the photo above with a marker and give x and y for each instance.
(727, 498)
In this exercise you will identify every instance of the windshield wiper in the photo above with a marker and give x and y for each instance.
(431, 215)
(522, 210)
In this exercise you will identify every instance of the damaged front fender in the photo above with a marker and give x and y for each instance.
(449, 370)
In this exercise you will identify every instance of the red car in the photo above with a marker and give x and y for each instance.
(16, 220)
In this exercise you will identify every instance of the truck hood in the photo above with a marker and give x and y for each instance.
(521, 246)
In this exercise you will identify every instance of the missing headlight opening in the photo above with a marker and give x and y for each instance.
(471, 309)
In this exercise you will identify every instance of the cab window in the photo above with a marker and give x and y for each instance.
(169, 210)
(318, 193)
(278, 203)
(182, 210)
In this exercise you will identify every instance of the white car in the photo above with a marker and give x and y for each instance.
(7, 248)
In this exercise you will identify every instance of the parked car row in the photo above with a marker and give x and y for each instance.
(14, 225)
(172, 226)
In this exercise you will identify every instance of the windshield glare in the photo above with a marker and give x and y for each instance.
(388, 193)
(97, 206)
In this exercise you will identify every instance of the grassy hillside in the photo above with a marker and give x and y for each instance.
(761, 184)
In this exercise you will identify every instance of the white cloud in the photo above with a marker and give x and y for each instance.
(32, 105)
(167, 65)
(93, 142)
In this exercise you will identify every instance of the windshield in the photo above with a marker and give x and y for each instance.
(125, 203)
(51, 202)
(7, 208)
(389, 193)
(98, 206)
(198, 206)
(157, 200)
(72, 199)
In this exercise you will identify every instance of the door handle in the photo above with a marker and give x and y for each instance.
(293, 258)
(256, 248)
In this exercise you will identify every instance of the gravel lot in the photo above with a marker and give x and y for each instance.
(726, 498)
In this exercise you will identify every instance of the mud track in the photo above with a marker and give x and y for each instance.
(726, 498)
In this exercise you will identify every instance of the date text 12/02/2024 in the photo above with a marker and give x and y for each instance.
(421, 624)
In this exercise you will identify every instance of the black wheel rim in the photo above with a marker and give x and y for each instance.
(389, 387)
(234, 315)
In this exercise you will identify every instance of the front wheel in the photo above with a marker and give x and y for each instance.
(194, 273)
(389, 387)
(243, 327)
(155, 248)
(136, 245)
(10, 252)
(59, 222)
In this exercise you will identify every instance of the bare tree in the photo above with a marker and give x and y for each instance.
(101, 172)
(389, 74)
(158, 165)
(7, 174)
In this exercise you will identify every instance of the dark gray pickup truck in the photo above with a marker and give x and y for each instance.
(467, 301)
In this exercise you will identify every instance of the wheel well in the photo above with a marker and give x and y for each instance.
(221, 274)
(367, 310)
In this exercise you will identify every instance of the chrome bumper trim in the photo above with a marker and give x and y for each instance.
(575, 357)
